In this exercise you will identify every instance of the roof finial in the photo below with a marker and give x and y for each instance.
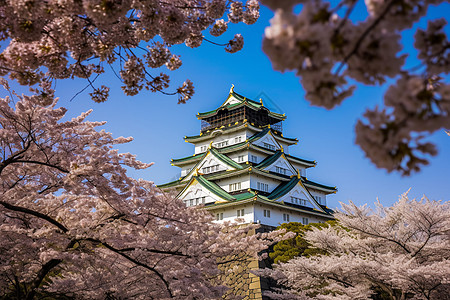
(210, 145)
(298, 173)
(195, 172)
(260, 101)
(232, 89)
(281, 148)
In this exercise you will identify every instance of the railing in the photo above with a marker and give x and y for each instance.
(239, 115)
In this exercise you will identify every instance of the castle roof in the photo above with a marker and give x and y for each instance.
(244, 145)
(251, 196)
(248, 170)
(219, 182)
(235, 127)
(234, 101)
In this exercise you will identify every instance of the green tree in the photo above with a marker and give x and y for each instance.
(297, 246)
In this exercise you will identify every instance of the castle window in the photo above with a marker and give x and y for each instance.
(269, 146)
(286, 217)
(219, 217)
(240, 212)
(235, 186)
(262, 186)
(299, 201)
(267, 213)
(238, 139)
(318, 199)
(202, 148)
(305, 221)
(240, 158)
(280, 170)
(221, 144)
(210, 169)
(253, 158)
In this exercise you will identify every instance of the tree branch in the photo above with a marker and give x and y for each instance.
(364, 35)
(138, 263)
(41, 163)
(41, 275)
(34, 213)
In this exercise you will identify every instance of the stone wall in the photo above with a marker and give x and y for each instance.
(238, 277)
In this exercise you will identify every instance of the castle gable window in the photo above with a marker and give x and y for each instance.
(269, 146)
(262, 186)
(210, 169)
(235, 186)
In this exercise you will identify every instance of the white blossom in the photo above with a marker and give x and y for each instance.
(393, 251)
(73, 223)
(329, 52)
(235, 44)
(219, 28)
(74, 38)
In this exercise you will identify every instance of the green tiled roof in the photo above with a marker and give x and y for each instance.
(305, 161)
(243, 101)
(301, 160)
(214, 188)
(246, 195)
(253, 197)
(312, 183)
(259, 135)
(188, 158)
(169, 184)
(312, 162)
(283, 188)
(233, 126)
(269, 160)
(225, 159)
(194, 137)
(215, 110)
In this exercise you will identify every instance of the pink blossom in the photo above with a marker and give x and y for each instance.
(73, 223)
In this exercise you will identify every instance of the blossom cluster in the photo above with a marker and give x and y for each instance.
(396, 251)
(73, 224)
(329, 52)
(63, 39)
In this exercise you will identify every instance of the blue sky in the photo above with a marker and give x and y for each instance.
(158, 124)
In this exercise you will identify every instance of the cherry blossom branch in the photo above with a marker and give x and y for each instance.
(42, 164)
(34, 213)
(138, 263)
(214, 43)
(43, 272)
(82, 90)
(364, 35)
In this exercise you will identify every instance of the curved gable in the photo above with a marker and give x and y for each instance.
(213, 162)
(267, 141)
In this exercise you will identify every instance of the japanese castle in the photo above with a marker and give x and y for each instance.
(242, 168)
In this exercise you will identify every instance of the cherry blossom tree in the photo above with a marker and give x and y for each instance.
(77, 39)
(73, 223)
(330, 53)
(398, 252)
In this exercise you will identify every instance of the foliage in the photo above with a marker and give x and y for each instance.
(330, 52)
(73, 223)
(398, 252)
(286, 250)
(69, 39)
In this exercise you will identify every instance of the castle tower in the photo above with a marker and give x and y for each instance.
(242, 168)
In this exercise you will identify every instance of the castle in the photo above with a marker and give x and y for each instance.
(242, 168)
